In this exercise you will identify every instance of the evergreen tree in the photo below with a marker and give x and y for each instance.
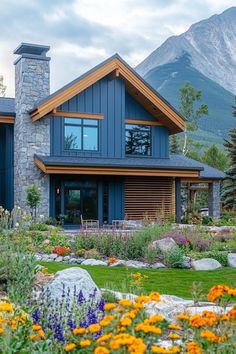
(229, 187)
(174, 144)
(216, 158)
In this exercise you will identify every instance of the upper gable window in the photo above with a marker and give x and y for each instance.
(81, 134)
(137, 139)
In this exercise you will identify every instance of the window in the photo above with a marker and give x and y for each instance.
(81, 134)
(137, 139)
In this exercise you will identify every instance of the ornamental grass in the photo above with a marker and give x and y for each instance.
(124, 327)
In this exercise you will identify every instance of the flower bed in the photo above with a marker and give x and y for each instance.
(122, 327)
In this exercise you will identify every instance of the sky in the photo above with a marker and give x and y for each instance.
(82, 33)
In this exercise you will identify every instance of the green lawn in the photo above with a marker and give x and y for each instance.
(167, 281)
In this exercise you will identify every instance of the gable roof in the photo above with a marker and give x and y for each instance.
(7, 110)
(135, 85)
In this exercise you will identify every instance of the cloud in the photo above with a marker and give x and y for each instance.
(82, 33)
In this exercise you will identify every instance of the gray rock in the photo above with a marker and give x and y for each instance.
(59, 259)
(80, 260)
(70, 279)
(206, 264)
(232, 260)
(52, 256)
(186, 262)
(158, 265)
(136, 264)
(94, 262)
(73, 261)
(66, 258)
(164, 244)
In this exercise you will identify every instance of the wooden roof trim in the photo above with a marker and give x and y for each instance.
(86, 170)
(94, 76)
(7, 119)
(142, 122)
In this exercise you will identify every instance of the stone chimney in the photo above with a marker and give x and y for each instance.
(32, 77)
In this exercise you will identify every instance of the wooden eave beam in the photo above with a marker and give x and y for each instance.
(7, 119)
(86, 170)
(77, 115)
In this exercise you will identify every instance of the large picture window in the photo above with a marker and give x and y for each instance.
(81, 134)
(137, 139)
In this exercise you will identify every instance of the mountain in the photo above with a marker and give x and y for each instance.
(167, 80)
(205, 56)
(211, 46)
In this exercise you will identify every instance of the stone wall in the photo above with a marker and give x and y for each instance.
(32, 84)
(214, 199)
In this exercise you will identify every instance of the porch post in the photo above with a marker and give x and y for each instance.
(214, 199)
(178, 200)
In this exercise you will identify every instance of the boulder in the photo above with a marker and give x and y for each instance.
(66, 258)
(232, 260)
(157, 265)
(52, 256)
(206, 264)
(58, 259)
(73, 261)
(136, 264)
(71, 280)
(93, 262)
(186, 262)
(164, 244)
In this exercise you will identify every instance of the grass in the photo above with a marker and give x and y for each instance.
(167, 281)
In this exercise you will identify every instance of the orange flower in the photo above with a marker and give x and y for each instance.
(101, 350)
(109, 306)
(69, 347)
(216, 292)
(85, 343)
(1, 330)
(174, 327)
(93, 328)
(193, 348)
(80, 330)
(155, 296)
(125, 321)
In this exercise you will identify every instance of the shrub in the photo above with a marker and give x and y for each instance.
(150, 255)
(39, 226)
(180, 238)
(33, 198)
(174, 257)
(61, 250)
(93, 253)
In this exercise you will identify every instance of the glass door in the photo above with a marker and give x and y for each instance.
(72, 205)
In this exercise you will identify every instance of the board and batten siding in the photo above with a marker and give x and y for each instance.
(151, 198)
(107, 97)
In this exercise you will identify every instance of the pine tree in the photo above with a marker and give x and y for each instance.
(229, 187)
(174, 144)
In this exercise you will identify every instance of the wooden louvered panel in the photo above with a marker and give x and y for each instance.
(150, 198)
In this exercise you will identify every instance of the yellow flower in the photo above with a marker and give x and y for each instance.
(69, 347)
(155, 296)
(142, 299)
(125, 321)
(182, 317)
(1, 330)
(36, 327)
(125, 303)
(173, 336)
(79, 331)
(93, 328)
(104, 338)
(101, 350)
(155, 318)
(174, 327)
(85, 343)
(6, 306)
(34, 337)
(109, 306)
(160, 350)
(138, 306)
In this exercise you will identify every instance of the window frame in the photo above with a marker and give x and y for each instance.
(82, 125)
(151, 140)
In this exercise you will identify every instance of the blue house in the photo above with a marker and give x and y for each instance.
(98, 148)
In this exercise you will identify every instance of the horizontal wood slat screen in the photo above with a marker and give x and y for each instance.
(151, 198)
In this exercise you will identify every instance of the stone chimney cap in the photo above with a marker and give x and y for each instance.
(33, 49)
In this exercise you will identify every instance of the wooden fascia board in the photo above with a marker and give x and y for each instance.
(7, 119)
(84, 170)
(93, 77)
(78, 115)
(199, 180)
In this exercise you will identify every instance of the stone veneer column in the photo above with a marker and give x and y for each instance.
(31, 85)
(214, 199)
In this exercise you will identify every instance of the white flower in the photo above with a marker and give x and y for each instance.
(17, 224)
